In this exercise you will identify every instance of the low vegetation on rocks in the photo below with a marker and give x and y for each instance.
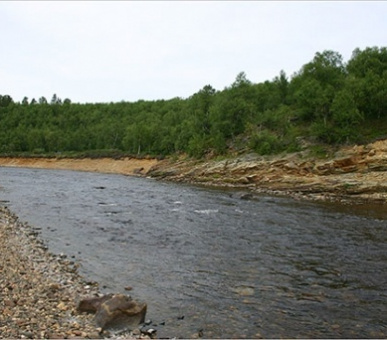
(347, 174)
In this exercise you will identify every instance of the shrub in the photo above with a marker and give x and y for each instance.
(265, 143)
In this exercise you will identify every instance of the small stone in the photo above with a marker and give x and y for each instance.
(62, 306)
(56, 325)
(28, 335)
(56, 336)
(33, 321)
(93, 335)
(136, 332)
(75, 325)
(9, 303)
(55, 286)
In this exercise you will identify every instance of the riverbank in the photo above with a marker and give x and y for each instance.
(350, 174)
(39, 291)
(124, 166)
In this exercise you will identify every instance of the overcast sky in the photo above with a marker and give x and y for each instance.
(96, 51)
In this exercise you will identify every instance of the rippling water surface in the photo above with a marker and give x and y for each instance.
(208, 261)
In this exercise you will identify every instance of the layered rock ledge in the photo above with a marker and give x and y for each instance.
(352, 174)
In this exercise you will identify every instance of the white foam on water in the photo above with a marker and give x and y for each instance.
(207, 211)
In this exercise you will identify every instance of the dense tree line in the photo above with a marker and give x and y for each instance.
(327, 100)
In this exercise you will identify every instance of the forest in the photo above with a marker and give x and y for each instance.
(327, 101)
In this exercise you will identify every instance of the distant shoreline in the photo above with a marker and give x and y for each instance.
(124, 166)
(354, 174)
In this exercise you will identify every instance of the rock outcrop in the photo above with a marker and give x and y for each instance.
(357, 172)
(92, 304)
(114, 311)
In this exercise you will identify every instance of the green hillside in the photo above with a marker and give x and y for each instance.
(327, 101)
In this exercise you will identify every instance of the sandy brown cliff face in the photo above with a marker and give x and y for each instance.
(125, 166)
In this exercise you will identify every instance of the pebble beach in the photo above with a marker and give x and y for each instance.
(40, 290)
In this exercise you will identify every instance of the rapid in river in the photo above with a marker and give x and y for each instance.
(210, 263)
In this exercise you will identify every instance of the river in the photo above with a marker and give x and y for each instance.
(207, 261)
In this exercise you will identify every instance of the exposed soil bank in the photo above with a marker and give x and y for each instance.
(355, 173)
(125, 166)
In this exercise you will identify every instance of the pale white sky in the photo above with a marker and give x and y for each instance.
(97, 51)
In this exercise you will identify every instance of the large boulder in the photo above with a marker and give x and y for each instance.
(114, 311)
(119, 312)
(92, 304)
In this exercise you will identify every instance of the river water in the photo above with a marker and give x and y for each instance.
(207, 261)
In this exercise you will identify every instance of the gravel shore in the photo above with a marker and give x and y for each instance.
(39, 290)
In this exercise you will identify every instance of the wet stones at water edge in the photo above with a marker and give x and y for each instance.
(115, 312)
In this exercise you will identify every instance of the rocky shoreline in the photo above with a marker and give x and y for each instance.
(353, 174)
(40, 291)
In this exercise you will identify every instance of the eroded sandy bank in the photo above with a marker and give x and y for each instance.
(125, 166)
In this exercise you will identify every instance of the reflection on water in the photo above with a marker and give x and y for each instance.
(208, 262)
